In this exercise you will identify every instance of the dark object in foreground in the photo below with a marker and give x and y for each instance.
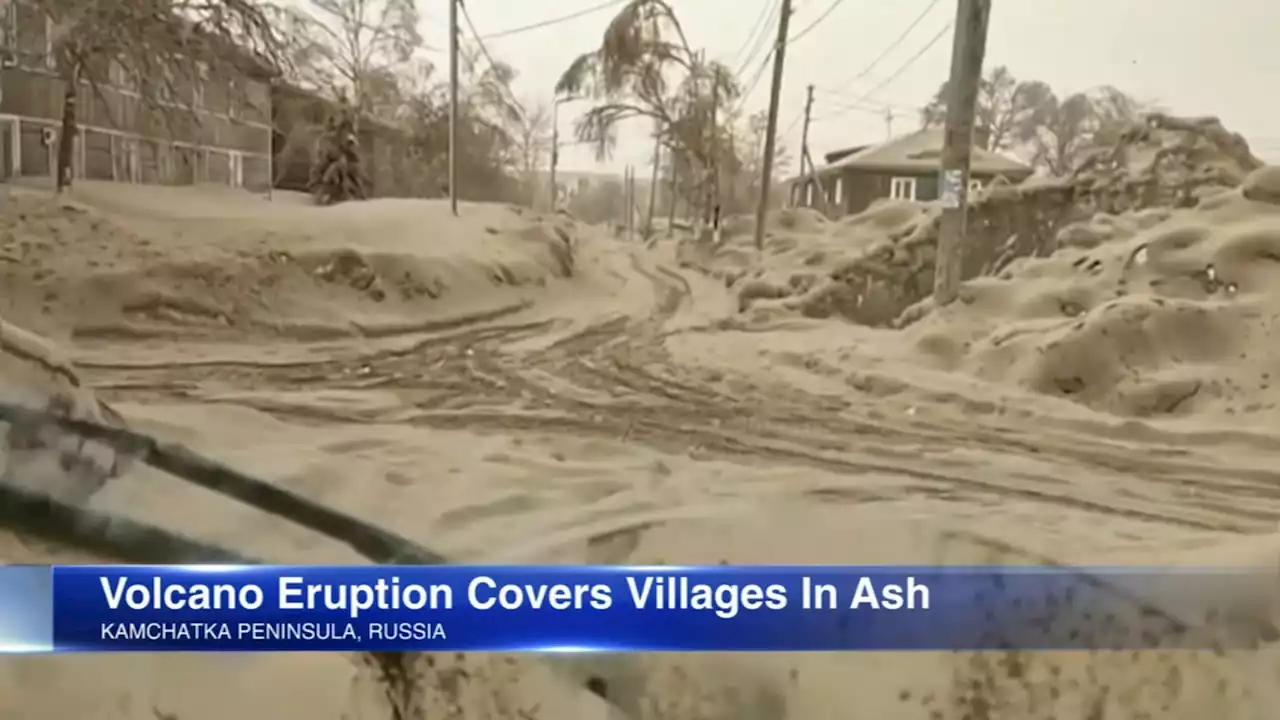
(61, 523)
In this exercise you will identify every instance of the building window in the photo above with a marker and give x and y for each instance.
(197, 85)
(808, 194)
(839, 190)
(903, 188)
(236, 169)
(8, 26)
(122, 78)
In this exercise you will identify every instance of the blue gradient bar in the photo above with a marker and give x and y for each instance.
(583, 609)
(26, 609)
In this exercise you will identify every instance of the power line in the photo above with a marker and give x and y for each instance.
(554, 21)
(755, 80)
(760, 43)
(910, 61)
(893, 45)
(766, 11)
(848, 108)
(466, 16)
(830, 9)
(849, 98)
(764, 65)
(479, 39)
(792, 125)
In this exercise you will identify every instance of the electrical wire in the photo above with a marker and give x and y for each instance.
(760, 42)
(825, 13)
(791, 125)
(910, 61)
(554, 21)
(766, 11)
(466, 16)
(893, 45)
(755, 80)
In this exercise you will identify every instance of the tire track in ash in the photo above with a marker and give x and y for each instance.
(674, 408)
(798, 427)
(615, 378)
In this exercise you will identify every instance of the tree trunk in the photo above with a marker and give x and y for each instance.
(671, 196)
(67, 136)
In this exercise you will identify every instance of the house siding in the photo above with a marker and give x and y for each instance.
(860, 188)
(119, 137)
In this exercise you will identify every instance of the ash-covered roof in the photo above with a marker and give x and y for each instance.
(921, 151)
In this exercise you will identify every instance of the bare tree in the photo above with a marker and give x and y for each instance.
(533, 143)
(1006, 106)
(1028, 118)
(749, 143)
(489, 154)
(346, 45)
(166, 48)
(1062, 133)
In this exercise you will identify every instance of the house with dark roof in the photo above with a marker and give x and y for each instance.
(905, 168)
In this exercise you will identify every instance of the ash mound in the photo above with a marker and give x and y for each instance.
(1146, 284)
(1154, 312)
(127, 261)
(868, 268)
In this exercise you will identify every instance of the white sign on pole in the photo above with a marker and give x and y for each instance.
(951, 184)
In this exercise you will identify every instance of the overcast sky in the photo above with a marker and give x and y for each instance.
(1191, 56)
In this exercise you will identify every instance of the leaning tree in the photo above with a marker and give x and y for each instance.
(645, 68)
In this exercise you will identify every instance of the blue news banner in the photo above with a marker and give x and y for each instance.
(585, 609)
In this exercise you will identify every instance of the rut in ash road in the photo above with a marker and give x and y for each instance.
(615, 378)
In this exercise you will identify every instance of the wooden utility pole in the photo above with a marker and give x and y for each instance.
(771, 129)
(811, 176)
(713, 192)
(453, 106)
(626, 202)
(967, 53)
(555, 151)
(653, 180)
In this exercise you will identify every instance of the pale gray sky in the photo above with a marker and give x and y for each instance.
(1192, 56)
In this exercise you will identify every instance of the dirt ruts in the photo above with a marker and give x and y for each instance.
(615, 379)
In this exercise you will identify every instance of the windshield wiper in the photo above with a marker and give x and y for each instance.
(129, 541)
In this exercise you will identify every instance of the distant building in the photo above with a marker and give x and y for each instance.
(906, 168)
(234, 131)
(120, 137)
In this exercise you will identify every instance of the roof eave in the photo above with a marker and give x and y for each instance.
(916, 169)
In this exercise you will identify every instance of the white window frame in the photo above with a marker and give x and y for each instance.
(902, 188)
(235, 101)
(130, 149)
(9, 34)
(197, 85)
(839, 190)
(15, 141)
(123, 80)
(235, 168)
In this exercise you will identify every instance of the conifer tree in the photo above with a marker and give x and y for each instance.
(337, 174)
